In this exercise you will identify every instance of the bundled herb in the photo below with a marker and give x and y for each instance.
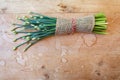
(38, 27)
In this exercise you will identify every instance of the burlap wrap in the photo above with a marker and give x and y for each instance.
(83, 24)
(64, 26)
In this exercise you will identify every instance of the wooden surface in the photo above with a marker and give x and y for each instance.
(79, 56)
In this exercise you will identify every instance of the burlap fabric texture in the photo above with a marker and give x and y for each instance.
(68, 26)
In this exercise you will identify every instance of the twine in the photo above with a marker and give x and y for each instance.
(68, 26)
(73, 25)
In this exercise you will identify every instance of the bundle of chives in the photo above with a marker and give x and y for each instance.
(38, 27)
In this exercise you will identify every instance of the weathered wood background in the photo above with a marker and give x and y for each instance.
(79, 56)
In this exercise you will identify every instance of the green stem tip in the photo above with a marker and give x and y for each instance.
(100, 24)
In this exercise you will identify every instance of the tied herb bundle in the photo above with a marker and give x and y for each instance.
(38, 27)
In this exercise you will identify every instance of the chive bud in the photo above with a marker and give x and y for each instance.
(38, 28)
(29, 33)
(41, 16)
(25, 17)
(14, 48)
(32, 25)
(14, 40)
(27, 38)
(27, 22)
(14, 32)
(34, 38)
(38, 38)
(13, 24)
(35, 17)
(41, 26)
(18, 18)
(35, 27)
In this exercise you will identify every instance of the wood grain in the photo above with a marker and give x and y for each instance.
(79, 56)
(24, 6)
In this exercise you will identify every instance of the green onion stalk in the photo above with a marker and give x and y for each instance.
(38, 27)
